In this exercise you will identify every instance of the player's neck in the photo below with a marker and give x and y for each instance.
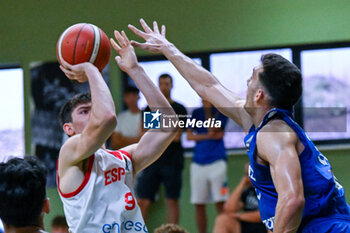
(134, 109)
(259, 115)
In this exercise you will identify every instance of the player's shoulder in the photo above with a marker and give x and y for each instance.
(69, 145)
(277, 125)
(277, 131)
(68, 150)
(128, 150)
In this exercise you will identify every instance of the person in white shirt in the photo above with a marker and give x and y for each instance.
(128, 130)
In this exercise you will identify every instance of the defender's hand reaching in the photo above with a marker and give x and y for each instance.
(155, 40)
(127, 58)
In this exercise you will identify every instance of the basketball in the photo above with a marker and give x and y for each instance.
(84, 42)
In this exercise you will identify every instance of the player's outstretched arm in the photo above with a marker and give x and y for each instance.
(202, 81)
(153, 143)
(102, 119)
(277, 145)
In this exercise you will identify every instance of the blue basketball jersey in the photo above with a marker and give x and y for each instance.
(324, 195)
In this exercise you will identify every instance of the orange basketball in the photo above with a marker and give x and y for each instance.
(84, 42)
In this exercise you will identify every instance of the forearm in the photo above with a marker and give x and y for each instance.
(218, 135)
(154, 97)
(101, 98)
(288, 215)
(250, 216)
(233, 203)
(208, 87)
(198, 77)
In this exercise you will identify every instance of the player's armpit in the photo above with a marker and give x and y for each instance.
(67, 156)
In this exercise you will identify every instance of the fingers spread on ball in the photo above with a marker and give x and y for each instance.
(67, 72)
(66, 64)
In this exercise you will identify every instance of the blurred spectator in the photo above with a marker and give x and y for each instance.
(23, 195)
(167, 169)
(241, 211)
(59, 225)
(209, 167)
(1, 227)
(170, 228)
(128, 130)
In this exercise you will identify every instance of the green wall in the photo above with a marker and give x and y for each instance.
(29, 29)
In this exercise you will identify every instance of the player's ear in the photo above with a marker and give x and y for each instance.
(259, 95)
(68, 129)
(46, 207)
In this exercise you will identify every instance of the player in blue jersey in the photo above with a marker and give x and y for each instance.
(296, 189)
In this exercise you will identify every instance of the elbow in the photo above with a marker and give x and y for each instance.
(295, 202)
(110, 120)
(228, 209)
(201, 92)
(204, 89)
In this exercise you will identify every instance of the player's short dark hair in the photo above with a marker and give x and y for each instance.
(59, 221)
(170, 228)
(132, 90)
(282, 80)
(65, 114)
(22, 191)
(166, 75)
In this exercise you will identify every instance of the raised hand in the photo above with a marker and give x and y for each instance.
(127, 57)
(76, 72)
(155, 40)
